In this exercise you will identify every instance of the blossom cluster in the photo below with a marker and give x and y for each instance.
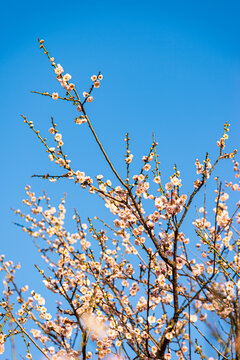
(135, 286)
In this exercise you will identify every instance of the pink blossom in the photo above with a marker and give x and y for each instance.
(67, 77)
(89, 99)
(55, 96)
(59, 69)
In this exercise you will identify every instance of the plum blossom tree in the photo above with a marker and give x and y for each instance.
(136, 287)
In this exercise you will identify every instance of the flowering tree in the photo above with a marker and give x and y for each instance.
(134, 288)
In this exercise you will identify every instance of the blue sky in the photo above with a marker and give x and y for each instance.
(172, 67)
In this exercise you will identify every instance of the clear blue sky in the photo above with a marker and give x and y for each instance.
(172, 67)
